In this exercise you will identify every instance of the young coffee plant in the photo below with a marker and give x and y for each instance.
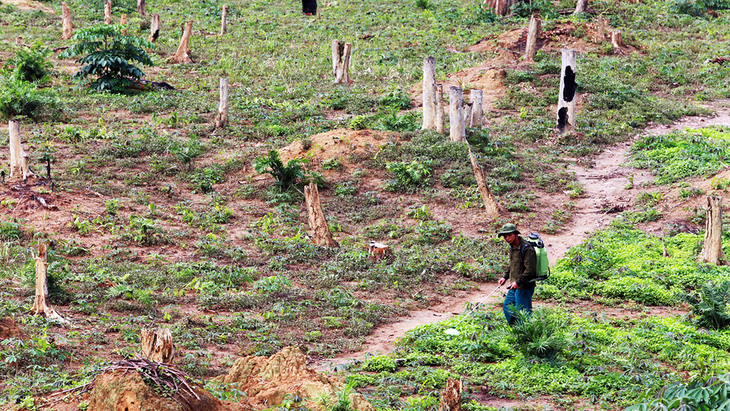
(110, 57)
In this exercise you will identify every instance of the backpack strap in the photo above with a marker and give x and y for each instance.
(525, 245)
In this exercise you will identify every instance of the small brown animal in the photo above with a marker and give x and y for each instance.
(378, 251)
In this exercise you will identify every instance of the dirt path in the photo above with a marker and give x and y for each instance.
(605, 185)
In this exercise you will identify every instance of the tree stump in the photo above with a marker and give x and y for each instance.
(107, 11)
(141, 8)
(533, 33)
(712, 247)
(477, 109)
(457, 129)
(41, 304)
(451, 396)
(617, 42)
(156, 345)
(154, 28)
(309, 7)
(491, 207)
(580, 6)
(224, 18)
(601, 29)
(429, 94)
(341, 61)
(123, 21)
(317, 223)
(566, 102)
(440, 127)
(182, 53)
(222, 118)
(68, 27)
(467, 115)
(19, 168)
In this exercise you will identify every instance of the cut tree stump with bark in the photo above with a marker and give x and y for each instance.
(154, 28)
(341, 61)
(491, 207)
(451, 396)
(156, 345)
(123, 21)
(68, 27)
(182, 54)
(107, 11)
(440, 117)
(224, 19)
(601, 29)
(41, 304)
(477, 109)
(580, 6)
(617, 42)
(429, 94)
(320, 231)
(222, 119)
(568, 86)
(19, 168)
(712, 247)
(533, 33)
(141, 8)
(457, 129)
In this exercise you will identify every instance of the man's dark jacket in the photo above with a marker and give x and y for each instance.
(522, 270)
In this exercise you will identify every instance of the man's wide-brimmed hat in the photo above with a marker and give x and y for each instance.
(507, 229)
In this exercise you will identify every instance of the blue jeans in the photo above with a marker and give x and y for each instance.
(517, 300)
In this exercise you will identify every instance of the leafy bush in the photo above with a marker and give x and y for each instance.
(409, 176)
(31, 64)
(286, 175)
(21, 98)
(705, 395)
(541, 334)
(710, 307)
(109, 56)
(397, 99)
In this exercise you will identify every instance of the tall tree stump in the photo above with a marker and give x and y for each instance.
(317, 223)
(712, 248)
(41, 304)
(533, 33)
(141, 8)
(182, 53)
(457, 128)
(477, 109)
(451, 396)
(224, 19)
(68, 27)
(491, 207)
(309, 7)
(601, 29)
(617, 42)
(123, 22)
(580, 6)
(222, 118)
(107, 11)
(19, 168)
(341, 61)
(154, 28)
(429, 94)
(439, 115)
(568, 86)
(156, 345)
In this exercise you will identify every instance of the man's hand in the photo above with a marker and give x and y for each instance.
(501, 281)
(514, 286)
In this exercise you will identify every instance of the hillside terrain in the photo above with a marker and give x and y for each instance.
(155, 217)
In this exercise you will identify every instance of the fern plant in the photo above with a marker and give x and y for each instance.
(109, 56)
(542, 334)
(286, 175)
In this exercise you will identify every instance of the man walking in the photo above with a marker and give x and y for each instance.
(521, 272)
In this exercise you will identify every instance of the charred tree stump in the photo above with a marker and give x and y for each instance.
(566, 103)
(429, 94)
(107, 11)
(157, 345)
(491, 207)
(41, 304)
(141, 8)
(123, 21)
(451, 396)
(154, 28)
(19, 168)
(224, 19)
(317, 223)
(440, 108)
(341, 61)
(477, 109)
(533, 33)
(457, 129)
(712, 248)
(222, 118)
(182, 54)
(68, 27)
(580, 6)
(309, 7)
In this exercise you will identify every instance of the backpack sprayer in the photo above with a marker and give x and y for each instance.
(453, 330)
